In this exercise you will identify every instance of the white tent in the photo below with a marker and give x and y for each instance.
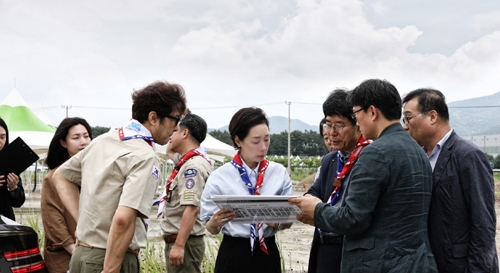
(216, 149)
(24, 123)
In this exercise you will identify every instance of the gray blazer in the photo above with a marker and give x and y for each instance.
(462, 219)
(384, 219)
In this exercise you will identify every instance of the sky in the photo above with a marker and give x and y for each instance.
(229, 54)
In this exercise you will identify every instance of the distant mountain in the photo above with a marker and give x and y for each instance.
(278, 124)
(476, 116)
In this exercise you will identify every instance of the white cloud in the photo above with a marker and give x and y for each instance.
(378, 7)
(236, 53)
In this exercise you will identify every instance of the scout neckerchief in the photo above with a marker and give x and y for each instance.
(133, 129)
(237, 162)
(337, 183)
(163, 197)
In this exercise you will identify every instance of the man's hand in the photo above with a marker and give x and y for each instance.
(176, 255)
(306, 204)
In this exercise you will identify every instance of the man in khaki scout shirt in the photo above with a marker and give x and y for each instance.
(118, 176)
(181, 224)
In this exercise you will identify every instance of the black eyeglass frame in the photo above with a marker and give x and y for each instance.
(353, 115)
(176, 119)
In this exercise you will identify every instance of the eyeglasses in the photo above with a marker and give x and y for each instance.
(353, 115)
(176, 119)
(337, 128)
(406, 119)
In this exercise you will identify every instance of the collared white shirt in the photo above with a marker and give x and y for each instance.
(226, 180)
(437, 150)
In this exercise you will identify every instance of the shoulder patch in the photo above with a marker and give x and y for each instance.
(190, 183)
(155, 172)
(190, 173)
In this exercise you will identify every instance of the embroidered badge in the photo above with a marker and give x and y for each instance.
(190, 173)
(135, 126)
(188, 195)
(155, 172)
(190, 183)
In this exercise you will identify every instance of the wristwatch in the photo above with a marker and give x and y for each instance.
(278, 228)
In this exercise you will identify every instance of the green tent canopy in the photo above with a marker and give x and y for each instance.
(22, 122)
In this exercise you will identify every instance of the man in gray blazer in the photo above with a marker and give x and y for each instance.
(384, 219)
(462, 220)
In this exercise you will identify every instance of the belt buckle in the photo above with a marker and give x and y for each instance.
(321, 238)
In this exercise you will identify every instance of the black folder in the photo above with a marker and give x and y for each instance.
(16, 157)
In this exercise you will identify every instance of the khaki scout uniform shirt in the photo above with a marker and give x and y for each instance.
(186, 189)
(113, 173)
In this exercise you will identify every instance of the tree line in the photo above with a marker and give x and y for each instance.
(306, 143)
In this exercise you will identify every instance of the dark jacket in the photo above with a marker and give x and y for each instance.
(322, 188)
(7, 201)
(462, 218)
(384, 219)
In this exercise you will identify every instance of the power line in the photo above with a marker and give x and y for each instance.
(480, 106)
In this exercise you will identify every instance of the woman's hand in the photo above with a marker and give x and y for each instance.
(219, 219)
(12, 180)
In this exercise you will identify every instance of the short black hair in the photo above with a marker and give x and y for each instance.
(57, 154)
(161, 97)
(244, 120)
(321, 123)
(196, 126)
(379, 93)
(429, 99)
(4, 125)
(338, 104)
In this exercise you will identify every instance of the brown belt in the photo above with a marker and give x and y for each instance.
(171, 238)
(80, 243)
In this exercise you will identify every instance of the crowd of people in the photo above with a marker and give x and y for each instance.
(399, 190)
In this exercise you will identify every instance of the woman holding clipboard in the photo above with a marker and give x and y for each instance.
(11, 186)
(246, 248)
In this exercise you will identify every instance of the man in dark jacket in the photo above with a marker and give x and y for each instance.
(462, 219)
(384, 219)
(343, 135)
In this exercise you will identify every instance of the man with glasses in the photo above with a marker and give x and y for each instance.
(462, 218)
(384, 218)
(343, 136)
(117, 174)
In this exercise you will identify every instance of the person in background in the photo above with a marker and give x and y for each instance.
(345, 137)
(118, 173)
(183, 230)
(462, 218)
(71, 136)
(325, 135)
(249, 173)
(384, 219)
(326, 139)
(11, 186)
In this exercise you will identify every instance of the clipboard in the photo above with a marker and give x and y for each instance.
(16, 157)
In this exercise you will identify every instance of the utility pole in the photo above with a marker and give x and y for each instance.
(288, 167)
(67, 108)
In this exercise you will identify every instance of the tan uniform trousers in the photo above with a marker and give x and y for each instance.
(194, 250)
(91, 260)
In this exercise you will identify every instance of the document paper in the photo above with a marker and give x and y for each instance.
(258, 208)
